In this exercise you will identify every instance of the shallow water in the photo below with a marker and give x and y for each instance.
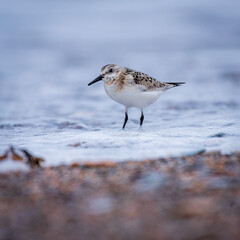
(50, 50)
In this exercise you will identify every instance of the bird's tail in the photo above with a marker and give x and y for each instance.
(175, 84)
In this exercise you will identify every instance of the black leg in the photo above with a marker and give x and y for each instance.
(141, 118)
(126, 119)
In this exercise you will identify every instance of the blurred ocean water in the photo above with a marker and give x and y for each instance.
(50, 50)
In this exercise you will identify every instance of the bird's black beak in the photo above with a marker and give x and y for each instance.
(99, 78)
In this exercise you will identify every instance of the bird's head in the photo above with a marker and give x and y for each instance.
(109, 72)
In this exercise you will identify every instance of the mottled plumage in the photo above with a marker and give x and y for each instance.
(131, 88)
(144, 79)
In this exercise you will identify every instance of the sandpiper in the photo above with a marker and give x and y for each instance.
(132, 88)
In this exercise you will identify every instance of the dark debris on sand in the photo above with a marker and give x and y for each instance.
(21, 155)
(194, 197)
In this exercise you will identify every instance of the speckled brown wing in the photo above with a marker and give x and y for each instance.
(143, 79)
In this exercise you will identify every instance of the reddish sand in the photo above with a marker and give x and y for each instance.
(193, 197)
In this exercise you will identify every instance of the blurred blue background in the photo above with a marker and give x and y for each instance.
(50, 50)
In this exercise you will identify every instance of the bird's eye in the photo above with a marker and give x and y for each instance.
(110, 70)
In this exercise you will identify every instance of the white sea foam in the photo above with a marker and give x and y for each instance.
(10, 165)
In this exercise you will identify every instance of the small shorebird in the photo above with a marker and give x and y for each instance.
(132, 88)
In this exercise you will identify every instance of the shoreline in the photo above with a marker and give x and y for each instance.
(188, 197)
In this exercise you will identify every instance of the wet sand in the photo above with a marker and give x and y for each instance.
(191, 197)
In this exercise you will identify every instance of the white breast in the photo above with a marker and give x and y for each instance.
(132, 96)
